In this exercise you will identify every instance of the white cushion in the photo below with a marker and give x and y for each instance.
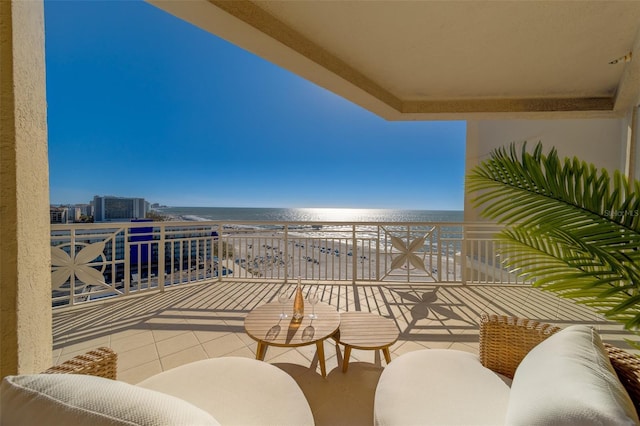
(568, 380)
(73, 399)
(440, 387)
(237, 391)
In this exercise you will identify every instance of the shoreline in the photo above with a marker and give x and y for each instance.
(322, 252)
(315, 258)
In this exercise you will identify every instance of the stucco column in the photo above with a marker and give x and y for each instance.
(472, 159)
(25, 254)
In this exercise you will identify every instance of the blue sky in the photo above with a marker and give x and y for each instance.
(141, 104)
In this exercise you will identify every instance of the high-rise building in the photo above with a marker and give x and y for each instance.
(58, 214)
(118, 209)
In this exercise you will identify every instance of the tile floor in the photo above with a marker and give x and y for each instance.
(160, 331)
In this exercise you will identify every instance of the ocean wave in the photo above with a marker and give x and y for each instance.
(193, 218)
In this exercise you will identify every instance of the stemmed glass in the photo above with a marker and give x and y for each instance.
(308, 332)
(313, 298)
(282, 299)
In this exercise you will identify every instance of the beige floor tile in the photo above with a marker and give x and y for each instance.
(59, 342)
(137, 357)
(332, 362)
(86, 345)
(176, 344)
(139, 373)
(202, 318)
(126, 333)
(396, 345)
(65, 356)
(55, 355)
(309, 351)
(253, 346)
(132, 341)
(246, 339)
(291, 356)
(372, 357)
(234, 318)
(223, 345)
(204, 336)
(464, 347)
(162, 333)
(185, 356)
(408, 347)
(242, 352)
(166, 318)
(275, 351)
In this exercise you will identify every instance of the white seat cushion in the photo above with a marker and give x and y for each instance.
(440, 387)
(568, 380)
(237, 391)
(74, 399)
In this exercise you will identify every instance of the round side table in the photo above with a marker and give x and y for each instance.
(365, 330)
(264, 325)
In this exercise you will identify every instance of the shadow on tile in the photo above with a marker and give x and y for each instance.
(340, 398)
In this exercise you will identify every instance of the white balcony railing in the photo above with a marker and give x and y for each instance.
(91, 262)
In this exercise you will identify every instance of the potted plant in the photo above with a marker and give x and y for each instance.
(569, 227)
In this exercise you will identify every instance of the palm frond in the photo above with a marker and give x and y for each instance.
(554, 266)
(570, 228)
(540, 182)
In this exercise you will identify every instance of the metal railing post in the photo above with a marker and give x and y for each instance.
(378, 254)
(219, 250)
(127, 260)
(72, 277)
(407, 245)
(161, 258)
(463, 258)
(439, 257)
(354, 250)
(286, 253)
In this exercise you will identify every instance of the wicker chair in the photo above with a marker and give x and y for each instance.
(505, 341)
(101, 362)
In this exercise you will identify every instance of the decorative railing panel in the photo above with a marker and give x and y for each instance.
(91, 262)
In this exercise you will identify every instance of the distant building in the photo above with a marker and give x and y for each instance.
(77, 211)
(118, 209)
(58, 214)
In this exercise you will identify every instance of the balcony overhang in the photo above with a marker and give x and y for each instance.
(444, 60)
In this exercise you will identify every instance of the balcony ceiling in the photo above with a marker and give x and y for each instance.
(438, 60)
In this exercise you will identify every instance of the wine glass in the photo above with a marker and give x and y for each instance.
(282, 299)
(308, 332)
(313, 298)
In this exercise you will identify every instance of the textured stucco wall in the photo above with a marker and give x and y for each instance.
(631, 128)
(602, 142)
(25, 277)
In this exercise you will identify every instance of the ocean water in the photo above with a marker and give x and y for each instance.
(312, 214)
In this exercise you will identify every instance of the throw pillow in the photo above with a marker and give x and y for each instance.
(74, 399)
(568, 380)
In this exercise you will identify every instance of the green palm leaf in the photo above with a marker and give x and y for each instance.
(555, 267)
(570, 228)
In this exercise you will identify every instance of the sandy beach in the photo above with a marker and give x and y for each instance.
(326, 252)
(314, 257)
